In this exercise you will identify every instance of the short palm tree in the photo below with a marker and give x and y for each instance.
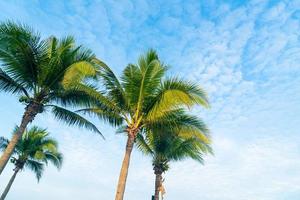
(33, 151)
(190, 140)
(45, 74)
(142, 99)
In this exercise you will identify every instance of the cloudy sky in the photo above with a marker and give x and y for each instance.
(246, 54)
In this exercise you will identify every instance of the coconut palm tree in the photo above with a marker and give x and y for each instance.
(35, 150)
(142, 99)
(191, 140)
(45, 74)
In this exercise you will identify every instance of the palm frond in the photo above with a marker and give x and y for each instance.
(71, 97)
(131, 80)
(55, 158)
(112, 85)
(96, 96)
(141, 81)
(21, 52)
(79, 71)
(7, 84)
(175, 93)
(186, 149)
(67, 63)
(107, 115)
(49, 144)
(143, 145)
(72, 118)
(36, 167)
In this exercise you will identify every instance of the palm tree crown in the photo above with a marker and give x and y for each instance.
(35, 150)
(190, 140)
(45, 74)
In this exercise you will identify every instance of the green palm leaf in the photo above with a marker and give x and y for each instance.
(113, 86)
(36, 167)
(72, 118)
(7, 84)
(175, 93)
(110, 116)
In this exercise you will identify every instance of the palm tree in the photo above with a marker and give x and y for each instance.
(141, 99)
(33, 151)
(45, 74)
(191, 140)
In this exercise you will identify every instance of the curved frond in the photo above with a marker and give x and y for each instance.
(71, 97)
(67, 63)
(96, 96)
(55, 158)
(143, 145)
(79, 71)
(7, 84)
(175, 93)
(175, 120)
(112, 85)
(131, 80)
(183, 149)
(36, 167)
(141, 81)
(21, 52)
(72, 118)
(109, 116)
(49, 144)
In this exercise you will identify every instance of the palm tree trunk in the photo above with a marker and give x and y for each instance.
(158, 183)
(30, 112)
(9, 184)
(125, 166)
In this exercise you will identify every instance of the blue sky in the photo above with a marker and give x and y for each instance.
(246, 54)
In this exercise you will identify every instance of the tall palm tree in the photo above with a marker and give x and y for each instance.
(45, 74)
(142, 99)
(190, 140)
(33, 151)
